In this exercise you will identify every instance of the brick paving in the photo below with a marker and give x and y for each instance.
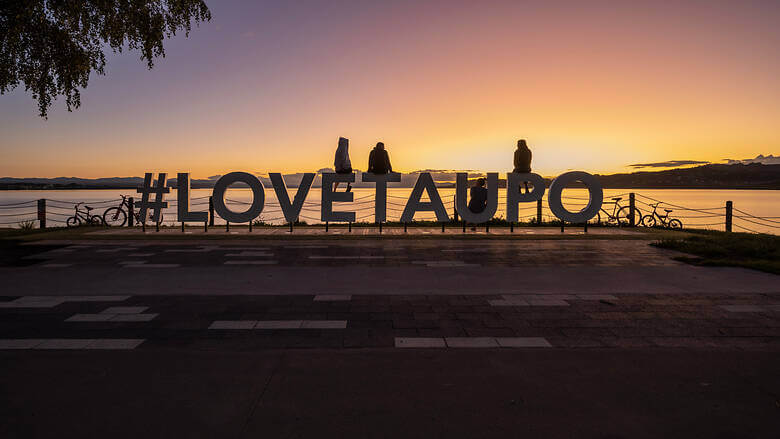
(745, 321)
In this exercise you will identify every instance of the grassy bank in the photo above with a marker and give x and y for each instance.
(710, 248)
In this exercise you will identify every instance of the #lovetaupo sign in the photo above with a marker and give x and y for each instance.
(425, 183)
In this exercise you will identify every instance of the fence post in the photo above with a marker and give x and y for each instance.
(42, 212)
(130, 212)
(631, 209)
(729, 212)
(211, 211)
(538, 212)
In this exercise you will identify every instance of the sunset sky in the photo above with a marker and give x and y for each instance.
(270, 86)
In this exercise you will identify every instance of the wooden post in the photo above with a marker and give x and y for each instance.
(211, 211)
(729, 215)
(538, 212)
(130, 212)
(42, 212)
(631, 208)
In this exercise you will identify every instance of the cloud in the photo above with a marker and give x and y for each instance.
(765, 160)
(668, 164)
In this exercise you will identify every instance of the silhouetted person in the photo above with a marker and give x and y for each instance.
(522, 160)
(379, 160)
(479, 195)
(341, 163)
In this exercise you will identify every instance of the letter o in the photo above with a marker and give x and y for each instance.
(595, 195)
(258, 197)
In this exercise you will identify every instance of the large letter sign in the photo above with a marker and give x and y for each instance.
(258, 197)
(328, 197)
(461, 193)
(413, 205)
(595, 195)
(380, 199)
(424, 183)
(291, 210)
(514, 194)
(183, 200)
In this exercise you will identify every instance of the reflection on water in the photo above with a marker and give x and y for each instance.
(709, 204)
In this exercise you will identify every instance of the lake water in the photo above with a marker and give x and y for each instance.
(17, 206)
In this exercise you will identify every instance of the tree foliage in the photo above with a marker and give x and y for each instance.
(52, 46)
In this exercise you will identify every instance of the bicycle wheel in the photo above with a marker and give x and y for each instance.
(624, 216)
(648, 221)
(675, 224)
(114, 216)
(73, 221)
(96, 221)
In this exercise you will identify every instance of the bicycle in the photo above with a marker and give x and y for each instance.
(621, 215)
(84, 216)
(117, 216)
(652, 219)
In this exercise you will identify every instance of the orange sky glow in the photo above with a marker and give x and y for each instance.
(446, 85)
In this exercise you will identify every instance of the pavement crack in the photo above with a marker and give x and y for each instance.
(261, 394)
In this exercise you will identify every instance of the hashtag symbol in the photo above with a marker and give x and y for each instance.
(158, 204)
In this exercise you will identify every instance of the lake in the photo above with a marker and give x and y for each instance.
(709, 205)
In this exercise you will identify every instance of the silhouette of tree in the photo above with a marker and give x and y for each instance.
(52, 46)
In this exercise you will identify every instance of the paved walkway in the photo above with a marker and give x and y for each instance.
(383, 338)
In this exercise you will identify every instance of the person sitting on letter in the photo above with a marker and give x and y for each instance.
(522, 160)
(479, 196)
(342, 163)
(379, 160)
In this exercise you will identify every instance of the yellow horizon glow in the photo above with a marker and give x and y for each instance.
(591, 87)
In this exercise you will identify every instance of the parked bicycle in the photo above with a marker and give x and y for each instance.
(84, 217)
(117, 216)
(621, 215)
(654, 218)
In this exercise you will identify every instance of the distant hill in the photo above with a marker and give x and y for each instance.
(736, 176)
(733, 176)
